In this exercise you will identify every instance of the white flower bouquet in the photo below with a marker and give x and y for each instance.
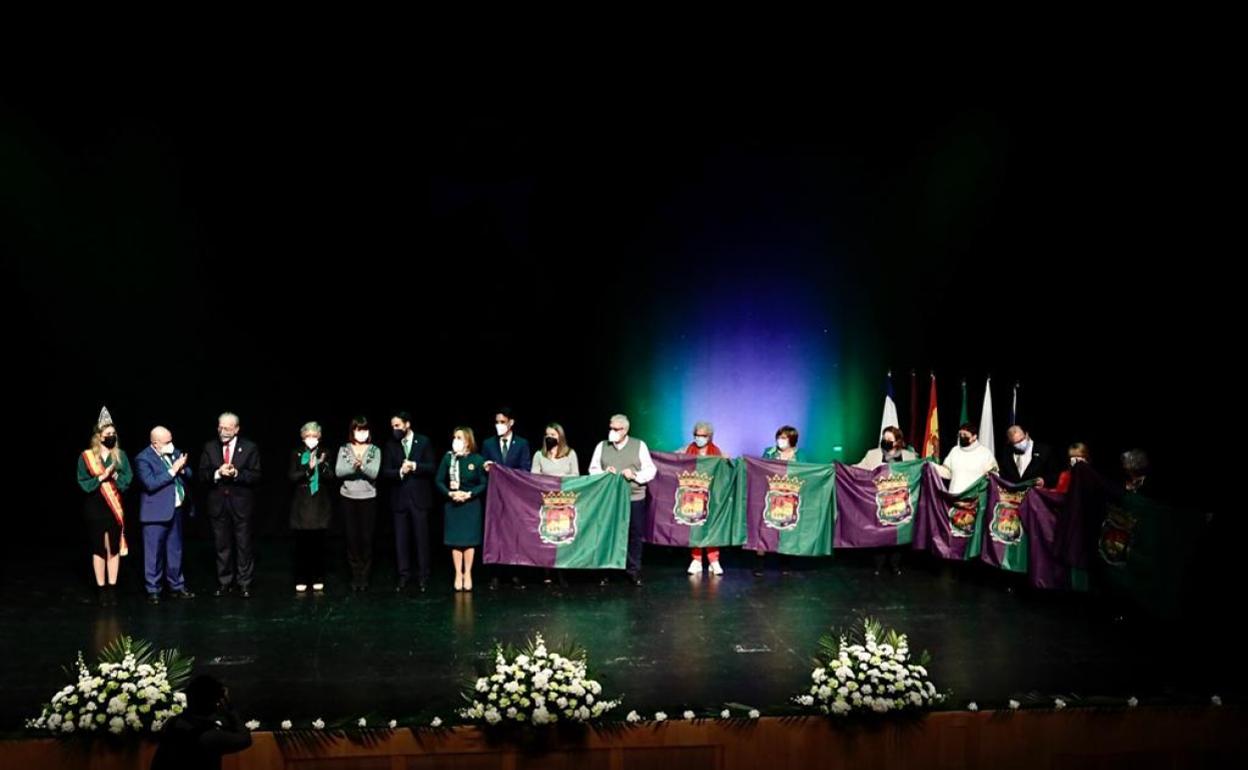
(868, 672)
(536, 686)
(131, 689)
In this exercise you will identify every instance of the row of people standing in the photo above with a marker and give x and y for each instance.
(230, 467)
(232, 464)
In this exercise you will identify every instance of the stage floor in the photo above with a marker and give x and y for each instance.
(677, 642)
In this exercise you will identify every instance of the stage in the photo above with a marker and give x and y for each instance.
(676, 643)
(1075, 738)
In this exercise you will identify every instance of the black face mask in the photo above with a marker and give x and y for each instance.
(109, 442)
(551, 443)
(964, 441)
(399, 433)
(886, 445)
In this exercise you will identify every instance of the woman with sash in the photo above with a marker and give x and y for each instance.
(104, 473)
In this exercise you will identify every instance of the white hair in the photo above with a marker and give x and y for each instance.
(621, 418)
(704, 425)
(310, 427)
(230, 415)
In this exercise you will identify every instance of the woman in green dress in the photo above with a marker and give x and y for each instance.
(461, 481)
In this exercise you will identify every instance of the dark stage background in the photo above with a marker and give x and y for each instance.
(293, 252)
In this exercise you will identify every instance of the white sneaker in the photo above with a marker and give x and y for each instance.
(318, 586)
(695, 567)
(301, 587)
(716, 569)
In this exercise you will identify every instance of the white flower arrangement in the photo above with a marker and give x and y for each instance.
(287, 724)
(1216, 700)
(536, 686)
(1014, 705)
(754, 714)
(132, 689)
(253, 724)
(868, 675)
(725, 714)
(394, 723)
(1059, 704)
(318, 724)
(633, 717)
(1132, 702)
(362, 723)
(660, 716)
(437, 722)
(972, 706)
(689, 715)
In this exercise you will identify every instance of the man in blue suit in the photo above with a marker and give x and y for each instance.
(506, 449)
(510, 451)
(165, 477)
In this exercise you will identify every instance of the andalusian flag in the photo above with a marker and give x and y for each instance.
(690, 502)
(788, 507)
(577, 522)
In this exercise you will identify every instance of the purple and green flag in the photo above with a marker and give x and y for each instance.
(1044, 517)
(1080, 524)
(950, 526)
(690, 502)
(572, 522)
(877, 507)
(1006, 546)
(787, 506)
(1145, 549)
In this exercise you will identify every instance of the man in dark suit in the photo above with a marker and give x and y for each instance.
(230, 468)
(165, 476)
(1025, 459)
(510, 451)
(407, 462)
(506, 448)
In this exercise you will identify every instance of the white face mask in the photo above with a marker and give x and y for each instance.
(614, 436)
(458, 446)
(701, 441)
(361, 436)
(782, 443)
(501, 428)
(1075, 461)
(311, 442)
(167, 449)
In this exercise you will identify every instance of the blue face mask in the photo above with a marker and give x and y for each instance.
(1022, 446)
